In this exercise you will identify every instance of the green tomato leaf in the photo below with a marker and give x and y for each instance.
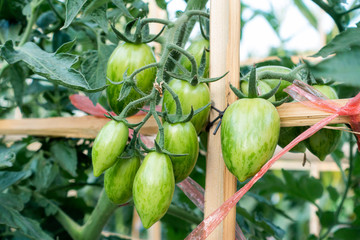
(99, 16)
(65, 156)
(310, 188)
(161, 4)
(342, 42)
(6, 159)
(94, 68)
(45, 172)
(73, 7)
(94, 5)
(121, 5)
(55, 67)
(16, 74)
(49, 206)
(46, 19)
(28, 227)
(334, 195)
(8, 178)
(347, 233)
(9, 31)
(343, 67)
(66, 47)
(326, 218)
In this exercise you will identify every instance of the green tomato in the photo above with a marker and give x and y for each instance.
(262, 88)
(153, 188)
(196, 49)
(118, 180)
(325, 141)
(287, 134)
(189, 95)
(108, 145)
(181, 138)
(249, 135)
(129, 57)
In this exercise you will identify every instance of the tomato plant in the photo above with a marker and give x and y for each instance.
(53, 188)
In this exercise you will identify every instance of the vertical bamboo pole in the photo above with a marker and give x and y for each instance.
(224, 56)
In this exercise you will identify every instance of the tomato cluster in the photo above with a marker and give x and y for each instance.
(250, 129)
(150, 183)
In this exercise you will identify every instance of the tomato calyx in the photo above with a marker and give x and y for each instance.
(142, 33)
(178, 117)
(253, 93)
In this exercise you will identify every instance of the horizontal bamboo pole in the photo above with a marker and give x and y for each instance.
(69, 127)
(291, 114)
(296, 114)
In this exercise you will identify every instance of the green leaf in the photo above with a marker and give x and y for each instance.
(55, 67)
(347, 233)
(8, 178)
(7, 158)
(307, 13)
(343, 67)
(66, 47)
(310, 188)
(65, 156)
(334, 195)
(30, 228)
(344, 41)
(99, 16)
(49, 206)
(59, 38)
(162, 4)
(9, 31)
(46, 19)
(121, 5)
(327, 218)
(16, 74)
(11, 200)
(94, 68)
(45, 172)
(94, 5)
(73, 7)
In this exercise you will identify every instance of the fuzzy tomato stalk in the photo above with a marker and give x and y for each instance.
(129, 57)
(249, 134)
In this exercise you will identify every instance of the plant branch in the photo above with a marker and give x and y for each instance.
(333, 14)
(98, 218)
(30, 22)
(347, 187)
(350, 10)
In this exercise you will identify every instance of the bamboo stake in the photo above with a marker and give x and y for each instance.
(291, 115)
(215, 168)
(233, 64)
(70, 127)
